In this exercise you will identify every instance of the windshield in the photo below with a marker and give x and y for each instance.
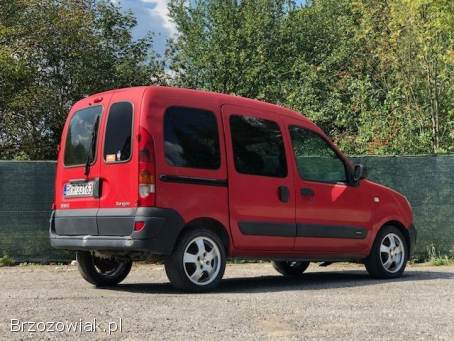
(80, 132)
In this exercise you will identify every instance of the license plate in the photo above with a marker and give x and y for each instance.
(79, 189)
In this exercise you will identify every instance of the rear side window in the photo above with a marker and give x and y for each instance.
(82, 135)
(191, 138)
(117, 146)
(258, 147)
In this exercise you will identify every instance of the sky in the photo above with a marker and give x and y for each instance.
(152, 15)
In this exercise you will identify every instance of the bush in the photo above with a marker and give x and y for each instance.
(6, 261)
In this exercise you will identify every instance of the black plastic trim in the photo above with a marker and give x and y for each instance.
(330, 231)
(161, 230)
(267, 229)
(301, 230)
(74, 222)
(193, 181)
(284, 193)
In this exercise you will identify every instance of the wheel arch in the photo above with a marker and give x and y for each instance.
(401, 227)
(210, 224)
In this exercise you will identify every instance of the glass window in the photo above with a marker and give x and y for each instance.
(315, 158)
(80, 140)
(191, 138)
(258, 147)
(117, 146)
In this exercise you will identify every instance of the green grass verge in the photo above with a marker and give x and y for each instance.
(6, 261)
(436, 259)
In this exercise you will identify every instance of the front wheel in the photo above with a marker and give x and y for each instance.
(102, 272)
(389, 254)
(198, 261)
(290, 269)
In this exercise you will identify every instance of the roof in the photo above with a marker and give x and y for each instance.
(222, 98)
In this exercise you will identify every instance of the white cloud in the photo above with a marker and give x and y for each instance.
(152, 16)
(160, 12)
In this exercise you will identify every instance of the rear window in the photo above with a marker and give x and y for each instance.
(117, 146)
(191, 138)
(79, 137)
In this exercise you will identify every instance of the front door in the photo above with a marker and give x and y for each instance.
(261, 199)
(332, 216)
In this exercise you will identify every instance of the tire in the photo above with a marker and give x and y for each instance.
(198, 262)
(102, 272)
(389, 254)
(291, 269)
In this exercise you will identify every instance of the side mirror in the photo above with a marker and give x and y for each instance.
(359, 172)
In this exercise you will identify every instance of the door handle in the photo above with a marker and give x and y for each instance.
(307, 192)
(283, 193)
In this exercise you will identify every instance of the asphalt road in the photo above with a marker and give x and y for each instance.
(338, 302)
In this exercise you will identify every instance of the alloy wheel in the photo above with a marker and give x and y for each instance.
(201, 260)
(392, 252)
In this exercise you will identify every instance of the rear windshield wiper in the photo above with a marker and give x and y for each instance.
(92, 147)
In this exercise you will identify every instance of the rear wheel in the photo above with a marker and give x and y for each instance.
(102, 271)
(198, 261)
(291, 268)
(389, 254)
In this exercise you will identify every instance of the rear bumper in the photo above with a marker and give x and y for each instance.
(413, 234)
(113, 230)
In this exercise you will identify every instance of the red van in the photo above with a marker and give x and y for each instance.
(195, 177)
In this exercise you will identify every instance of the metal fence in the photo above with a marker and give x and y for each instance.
(26, 191)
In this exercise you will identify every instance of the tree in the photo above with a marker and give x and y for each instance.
(53, 53)
(376, 75)
(272, 50)
(408, 46)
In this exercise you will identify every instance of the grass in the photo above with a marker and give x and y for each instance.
(6, 261)
(439, 261)
(435, 259)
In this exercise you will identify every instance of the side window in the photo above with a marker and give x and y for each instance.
(258, 147)
(191, 138)
(117, 146)
(315, 159)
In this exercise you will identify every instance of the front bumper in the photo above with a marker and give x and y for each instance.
(113, 230)
(412, 234)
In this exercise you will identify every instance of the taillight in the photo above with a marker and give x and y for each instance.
(146, 169)
(139, 225)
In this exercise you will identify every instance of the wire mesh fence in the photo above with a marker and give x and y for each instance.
(26, 194)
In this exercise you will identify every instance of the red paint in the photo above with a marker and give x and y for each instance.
(139, 225)
(246, 198)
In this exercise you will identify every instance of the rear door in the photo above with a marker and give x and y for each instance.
(261, 199)
(119, 165)
(78, 183)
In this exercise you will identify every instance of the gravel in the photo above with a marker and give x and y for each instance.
(338, 302)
